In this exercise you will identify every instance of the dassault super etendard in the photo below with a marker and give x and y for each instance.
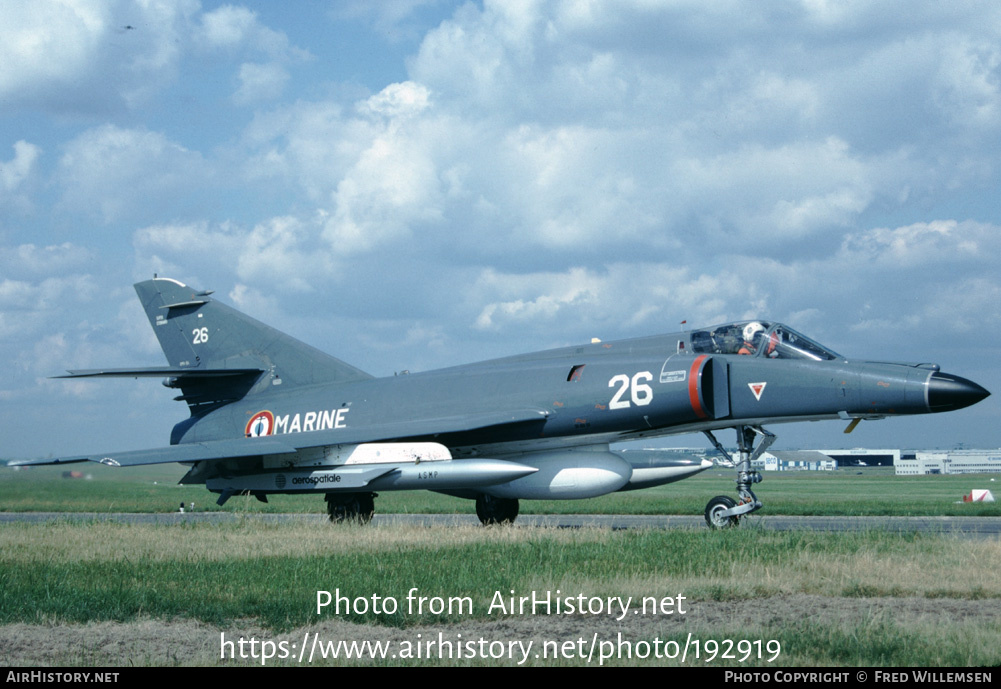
(270, 414)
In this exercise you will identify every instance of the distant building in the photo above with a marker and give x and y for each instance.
(861, 456)
(949, 462)
(795, 460)
(905, 463)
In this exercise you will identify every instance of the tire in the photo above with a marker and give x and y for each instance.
(493, 510)
(719, 504)
(350, 508)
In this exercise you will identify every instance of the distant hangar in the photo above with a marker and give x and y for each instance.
(905, 462)
(949, 462)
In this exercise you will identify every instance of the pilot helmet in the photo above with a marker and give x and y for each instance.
(752, 330)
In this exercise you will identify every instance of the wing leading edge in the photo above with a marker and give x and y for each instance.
(160, 372)
(238, 448)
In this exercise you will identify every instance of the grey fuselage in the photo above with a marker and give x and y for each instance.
(584, 395)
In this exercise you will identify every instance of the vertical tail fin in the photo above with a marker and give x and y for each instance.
(201, 334)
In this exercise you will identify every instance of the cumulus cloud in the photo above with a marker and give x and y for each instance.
(27, 306)
(285, 253)
(90, 57)
(373, 168)
(939, 242)
(260, 83)
(14, 172)
(529, 174)
(398, 100)
(28, 259)
(110, 172)
(17, 177)
(392, 188)
(228, 27)
(238, 29)
(394, 20)
(616, 298)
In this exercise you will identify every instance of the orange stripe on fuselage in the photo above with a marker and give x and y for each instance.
(693, 387)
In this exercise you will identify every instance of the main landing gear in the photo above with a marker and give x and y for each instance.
(723, 511)
(350, 508)
(493, 510)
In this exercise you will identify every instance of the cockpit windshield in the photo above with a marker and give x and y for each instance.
(759, 338)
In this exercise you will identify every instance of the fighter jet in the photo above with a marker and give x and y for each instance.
(270, 414)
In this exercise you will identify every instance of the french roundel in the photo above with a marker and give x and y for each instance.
(261, 423)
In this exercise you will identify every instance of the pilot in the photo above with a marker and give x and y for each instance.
(752, 331)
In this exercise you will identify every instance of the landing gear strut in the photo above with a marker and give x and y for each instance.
(350, 508)
(723, 511)
(493, 510)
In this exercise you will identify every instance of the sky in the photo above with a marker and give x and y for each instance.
(417, 184)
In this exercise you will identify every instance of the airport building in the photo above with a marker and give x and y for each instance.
(949, 462)
(795, 460)
(863, 457)
(825, 460)
(905, 462)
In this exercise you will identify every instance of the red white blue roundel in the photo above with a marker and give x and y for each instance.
(261, 423)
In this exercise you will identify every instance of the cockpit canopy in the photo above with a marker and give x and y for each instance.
(759, 338)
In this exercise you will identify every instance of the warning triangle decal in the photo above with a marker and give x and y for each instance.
(757, 389)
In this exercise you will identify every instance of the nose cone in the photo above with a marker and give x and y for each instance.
(947, 392)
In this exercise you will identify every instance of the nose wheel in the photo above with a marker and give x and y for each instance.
(723, 512)
(718, 512)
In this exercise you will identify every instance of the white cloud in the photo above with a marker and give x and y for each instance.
(382, 198)
(533, 174)
(228, 26)
(394, 20)
(940, 242)
(90, 57)
(260, 83)
(393, 186)
(308, 145)
(112, 173)
(967, 88)
(285, 251)
(617, 298)
(28, 307)
(47, 42)
(238, 29)
(28, 259)
(18, 177)
(13, 173)
(221, 244)
(398, 100)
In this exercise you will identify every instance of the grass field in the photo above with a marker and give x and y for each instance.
(93, 593)
(869, 491)
(861, 598)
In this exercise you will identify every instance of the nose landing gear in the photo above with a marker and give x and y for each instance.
(723, 511)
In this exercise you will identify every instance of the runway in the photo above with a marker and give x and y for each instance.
(963, 527)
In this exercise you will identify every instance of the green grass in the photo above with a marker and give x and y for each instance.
(217, 574)
(260, 577)
(871, 491)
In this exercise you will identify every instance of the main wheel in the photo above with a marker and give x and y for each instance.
(493, 510)
(714, 517)
(356, 508)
